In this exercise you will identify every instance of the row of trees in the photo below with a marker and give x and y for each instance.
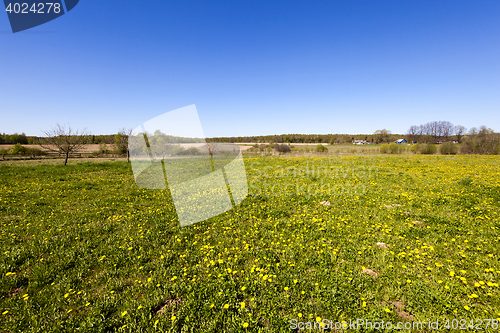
(435, 131)
(13, 138)
(30, 140)
(300, 138)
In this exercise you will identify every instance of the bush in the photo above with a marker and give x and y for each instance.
(35, 151)
(391, 148)
(321, 149)
(483, 143)
(415, 149)
(282, 148)
(189, 151)
(448, 148)
(396, 148)
(428, 149)
(18, 149)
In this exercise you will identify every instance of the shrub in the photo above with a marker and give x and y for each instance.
(483, 143)
(428, 149)
(35, 151)
(391, 148)
(18, 149)
(448, 148)
(415, 149)
(189, 151)
(321, 149)
(282, 148)
(395, 148)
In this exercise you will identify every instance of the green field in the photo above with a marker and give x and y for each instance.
(85, 250)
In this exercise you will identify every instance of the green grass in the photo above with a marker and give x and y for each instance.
(85, 250)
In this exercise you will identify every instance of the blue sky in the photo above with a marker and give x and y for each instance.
(255, 67)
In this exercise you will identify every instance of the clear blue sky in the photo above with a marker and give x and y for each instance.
(255, 67)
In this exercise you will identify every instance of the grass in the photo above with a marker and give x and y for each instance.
(84, 249)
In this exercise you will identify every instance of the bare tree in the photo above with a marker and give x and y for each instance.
(64, 140)
(121, 141)
(460, 132)
(413, 133)
(473, 131)
(446, 129)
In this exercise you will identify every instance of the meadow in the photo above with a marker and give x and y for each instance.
(394, 238)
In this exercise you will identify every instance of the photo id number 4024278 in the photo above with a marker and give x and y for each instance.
(36, 8)
(473, 324)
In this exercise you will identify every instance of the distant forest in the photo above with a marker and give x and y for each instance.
(308, 138)
(283, 138)
(432, 132)
(31, 140)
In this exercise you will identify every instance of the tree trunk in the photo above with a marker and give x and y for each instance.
(66, 158)
(128, 156)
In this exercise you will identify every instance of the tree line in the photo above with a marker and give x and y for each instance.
(303, 138)
(436, 131)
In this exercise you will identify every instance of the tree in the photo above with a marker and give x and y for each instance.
(121, 141)
(460, 132)
(445, 129)
(64, 140)
(413, 134)
(382, 135)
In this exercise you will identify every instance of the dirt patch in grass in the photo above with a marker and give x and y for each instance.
(13, 292)
(370, 272)
(169, 303)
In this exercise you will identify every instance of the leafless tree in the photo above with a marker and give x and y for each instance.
(64, 140)
(473, 131)
(413, 133)
(446, 129)
(460, 132)
(121, 141)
